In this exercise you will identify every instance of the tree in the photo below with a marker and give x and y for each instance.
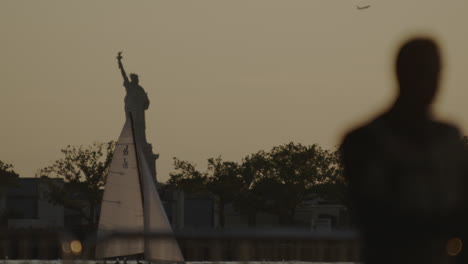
(225, 182)
(247, 201)
(8, 178)
(293, 173)
(187, 178)
(276, 182)
(221, 179)
(84, 170)
(335, 188)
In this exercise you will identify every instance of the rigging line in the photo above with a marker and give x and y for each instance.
(124, 205)
(118, 172)
(121, 184)
(111, 201)
(111, 219)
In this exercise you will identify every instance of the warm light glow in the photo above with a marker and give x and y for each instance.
(454, 246)
(76, 247)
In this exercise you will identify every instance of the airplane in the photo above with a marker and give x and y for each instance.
(362, 7)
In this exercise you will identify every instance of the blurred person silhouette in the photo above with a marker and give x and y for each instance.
(406, 171)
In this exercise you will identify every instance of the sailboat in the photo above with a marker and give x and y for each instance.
(131, 205)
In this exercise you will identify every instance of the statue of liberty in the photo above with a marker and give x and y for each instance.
(136, 102)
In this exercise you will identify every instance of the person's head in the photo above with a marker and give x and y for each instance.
(134, 78)
(418, 65)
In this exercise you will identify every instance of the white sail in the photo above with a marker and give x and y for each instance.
(131, 203)
(122, 205)
(164, 248)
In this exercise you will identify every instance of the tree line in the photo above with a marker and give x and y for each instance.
(275, 181)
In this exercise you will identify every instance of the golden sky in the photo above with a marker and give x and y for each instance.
(224, 77)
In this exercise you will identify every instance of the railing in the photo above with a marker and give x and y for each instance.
(196, 245)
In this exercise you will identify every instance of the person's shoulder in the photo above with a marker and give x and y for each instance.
(366, 129)
(356, 134)
(446, 129)
(362, 134)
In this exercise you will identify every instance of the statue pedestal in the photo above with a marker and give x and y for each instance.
(151, 159)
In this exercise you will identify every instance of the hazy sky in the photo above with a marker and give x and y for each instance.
(224, 77)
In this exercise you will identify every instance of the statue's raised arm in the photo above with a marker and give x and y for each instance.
(122, 70)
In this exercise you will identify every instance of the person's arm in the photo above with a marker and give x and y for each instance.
(122, 70)
(146, 102)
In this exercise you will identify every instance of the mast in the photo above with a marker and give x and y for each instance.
(142, 192)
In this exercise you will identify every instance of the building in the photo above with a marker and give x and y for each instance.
(25, 205)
